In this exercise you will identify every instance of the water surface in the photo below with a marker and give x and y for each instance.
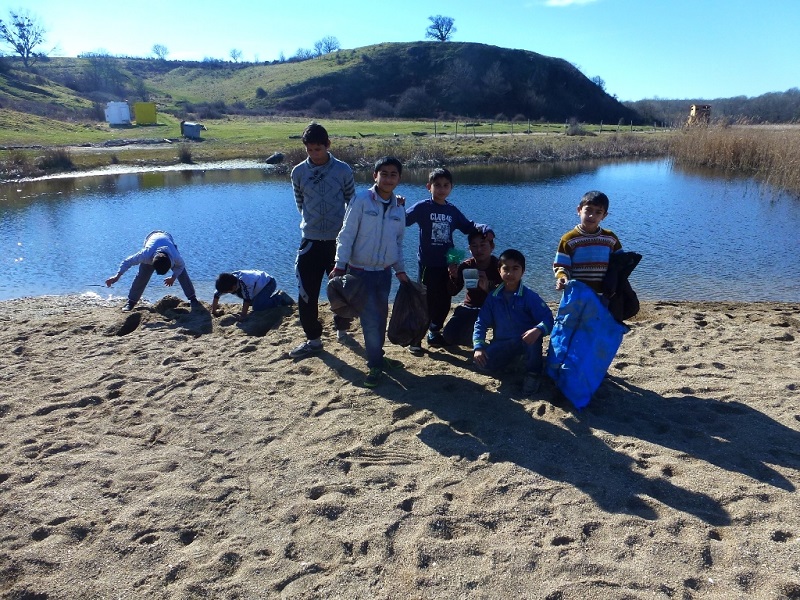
(702, 237)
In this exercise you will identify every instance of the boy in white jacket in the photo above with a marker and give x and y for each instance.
(370, 245)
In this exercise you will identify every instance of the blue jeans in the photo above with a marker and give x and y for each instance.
(501, 353)
(264, 299)
(375, 314)
(143, 277)
(461, 325)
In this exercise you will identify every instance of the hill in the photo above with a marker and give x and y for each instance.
(407, 80)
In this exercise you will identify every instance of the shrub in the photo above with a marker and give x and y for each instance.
(261, 93)
(185, 154)
(322, 107)
(55, 160)
(379, 108)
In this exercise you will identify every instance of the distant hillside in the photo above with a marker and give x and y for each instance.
(419, 79)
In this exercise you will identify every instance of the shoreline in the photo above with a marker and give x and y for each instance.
(165, 454)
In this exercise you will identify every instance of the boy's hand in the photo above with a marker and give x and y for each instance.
(112, 280)
(561, 283)
(530, 336)
(336, 273)
(452, 271)
(483, 281)
(403, 277)
(480, 358)
(401, 200)
(169, 281)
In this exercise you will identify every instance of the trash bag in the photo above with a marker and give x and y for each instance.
(623, 302)
(409, 320)
(346, 295)
(584, 341)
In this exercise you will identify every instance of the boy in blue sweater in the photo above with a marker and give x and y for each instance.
(519, 319)
(437, 219)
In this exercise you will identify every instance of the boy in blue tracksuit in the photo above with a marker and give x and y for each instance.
(519, 319)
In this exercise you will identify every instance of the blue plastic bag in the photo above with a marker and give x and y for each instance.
(584, 341)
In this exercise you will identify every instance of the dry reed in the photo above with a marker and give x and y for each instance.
(770, 154)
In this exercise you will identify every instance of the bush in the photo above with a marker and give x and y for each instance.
(56, 160)
(379, 108)
(415, 102)
(185, 154)
(322, 107)
(261, 93)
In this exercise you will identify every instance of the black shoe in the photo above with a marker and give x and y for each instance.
(435, 340)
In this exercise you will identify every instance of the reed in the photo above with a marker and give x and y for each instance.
(769, 154)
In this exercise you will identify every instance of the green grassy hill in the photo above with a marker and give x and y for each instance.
(407, 80)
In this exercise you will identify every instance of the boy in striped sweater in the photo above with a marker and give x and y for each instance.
(583, 252)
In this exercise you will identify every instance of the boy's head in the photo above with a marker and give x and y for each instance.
(226, 283)
(440, 184)
(317, 142)
(161, 263)
(480, 245)
(386, 174)
(512, 268)
(592, 210)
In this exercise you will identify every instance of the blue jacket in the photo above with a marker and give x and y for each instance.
(511, 317)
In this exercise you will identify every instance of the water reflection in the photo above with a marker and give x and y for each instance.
(702, 236)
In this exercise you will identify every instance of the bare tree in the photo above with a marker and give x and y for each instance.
(330, 44)
(235, 54)
(599, 82)
(24, 33)
(441, 28)
(160, 50)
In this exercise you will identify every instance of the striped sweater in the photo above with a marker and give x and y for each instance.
(584, 256)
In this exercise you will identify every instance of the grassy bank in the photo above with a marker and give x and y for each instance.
(770, 154)
(418, 143)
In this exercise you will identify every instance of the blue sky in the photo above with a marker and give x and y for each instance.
(682, 49)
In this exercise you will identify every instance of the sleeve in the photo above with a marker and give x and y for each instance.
(411, 215)
(134, 259)
(297, 189)
(562, 265)
(348, 232)
(483, 323)
(400, 265)
(348, 186)
(178, 264)
(465, 226)
(540, 312)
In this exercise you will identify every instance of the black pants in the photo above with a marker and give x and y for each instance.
(315, 260)
(437, 295)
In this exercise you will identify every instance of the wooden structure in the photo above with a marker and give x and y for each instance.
(699, 115)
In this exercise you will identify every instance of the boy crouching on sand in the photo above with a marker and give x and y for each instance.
(519, 319)
(370, 245)
(255, 288)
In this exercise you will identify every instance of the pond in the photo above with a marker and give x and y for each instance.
(703, 237)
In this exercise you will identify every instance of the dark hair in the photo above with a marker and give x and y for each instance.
(225, 282)
(477, 234)
(514, 255)
(316, 134)
(388, 160)
(161, 263)
(595, 199)
(440, 172)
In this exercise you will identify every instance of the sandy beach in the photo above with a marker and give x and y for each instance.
(163, 454)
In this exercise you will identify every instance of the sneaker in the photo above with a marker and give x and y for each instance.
(435, 339)
(416, 350)
(343, 337)
(285, 299)
(128, 307)
(530, 384)
(196, 304)
(390, 363)
(306, 349)
(373, 377)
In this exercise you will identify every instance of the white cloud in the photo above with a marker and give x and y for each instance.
(567, 2)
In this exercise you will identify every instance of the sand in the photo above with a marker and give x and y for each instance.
(165, 454)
